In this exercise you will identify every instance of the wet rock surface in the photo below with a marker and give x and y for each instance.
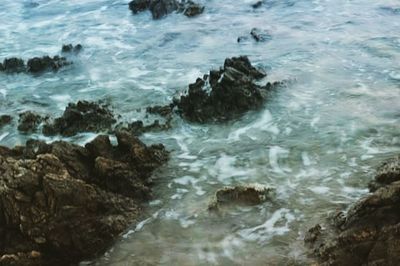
(369, 232)
(161, 8)
(29, 121)
(70, 48)
(61, 203)
(34, 65)
(225, 93)
(82, 116)
(240, 195)
(257, 35)
(5, 120)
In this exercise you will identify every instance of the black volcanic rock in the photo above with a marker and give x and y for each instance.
(45, 63)
(225, 93)
(161, 8)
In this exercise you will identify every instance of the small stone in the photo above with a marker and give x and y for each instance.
(35, 254)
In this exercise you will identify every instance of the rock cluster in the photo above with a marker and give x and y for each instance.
(34, 65)
(225, 93)
(161, 8)
(61, 203)
(369, 232)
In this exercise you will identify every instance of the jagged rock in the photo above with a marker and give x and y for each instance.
(257, 4)
(69, 48)
(61, 203)
(240, 195)
(161, 8)
(387, 173)
(13, 65)
(29, 121)
(192, 9)
(226, 93)
(137, 128)
(45, 63)
(368, 234)
(5, 120)
(81, 117)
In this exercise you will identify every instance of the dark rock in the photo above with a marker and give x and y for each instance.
(369, 233)
(29, 121)
(69, 48)
(45, 63)
(257, 4)
(161, 8)
(13, 65)
(387, 173)
(192, 9)
(226, 93)
(240, 195)
(50, 215)
(5, 120)
(139, 5)
(81, 117)
(259, 35)
(160, 110)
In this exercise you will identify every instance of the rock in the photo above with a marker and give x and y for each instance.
(240, 195)
(137, 128)
(369, 233)
(13, 65)
(61, 203)
(29, 121)
(160, 110)
(225, 94)
(5, 120)
(81, 117)
(258, 35)
(69, 48)
(257, 4)
(45, 63)
(161, 8)
(192, 9)
(139, 5)
(387, 173)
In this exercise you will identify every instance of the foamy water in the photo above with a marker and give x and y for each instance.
(316, 142)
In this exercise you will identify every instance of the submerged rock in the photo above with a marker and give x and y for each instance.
(29, 121)
(258, 35)
(257, 4)
(61, 203)
(240, 195)
(81, 117)
(225, 93)
(69, 48)
(5, 120)
(368, 234)
(161, 8)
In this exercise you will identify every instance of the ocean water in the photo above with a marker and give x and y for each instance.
(317, 141)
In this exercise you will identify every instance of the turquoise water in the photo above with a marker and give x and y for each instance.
(317, 141)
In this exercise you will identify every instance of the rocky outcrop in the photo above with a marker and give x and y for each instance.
(5, 120)
(369, 232)
(161, 8)
(29, 121)
(61, 203)
(82, 116)
(46, 63)
(225, 93)
(69, 48)
(240, 195)
(13, 65)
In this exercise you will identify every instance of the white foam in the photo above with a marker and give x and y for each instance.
(2, 136)
(319, 190)
(276, 152)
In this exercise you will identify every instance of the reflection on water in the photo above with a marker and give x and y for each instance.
(316, 142)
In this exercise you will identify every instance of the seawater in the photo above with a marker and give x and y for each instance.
(317, 141)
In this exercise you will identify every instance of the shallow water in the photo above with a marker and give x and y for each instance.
(316, 142)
